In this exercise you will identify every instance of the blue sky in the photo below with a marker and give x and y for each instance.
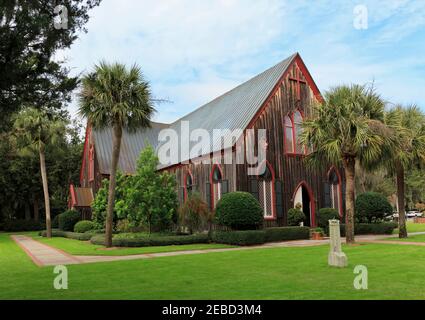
(193, 51)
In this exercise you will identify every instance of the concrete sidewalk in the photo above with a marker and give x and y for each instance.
(45, 255)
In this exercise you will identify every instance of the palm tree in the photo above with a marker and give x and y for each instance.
(35, 129)
(408, 128)
(113, 96)
(346, 128)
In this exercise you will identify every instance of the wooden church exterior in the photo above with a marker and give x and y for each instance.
(276, 100)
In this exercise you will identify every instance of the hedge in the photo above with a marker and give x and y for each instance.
(371, 228)
(69, 235)
(240, 238)
(84, 226)
(287, 233)
(68, 220)
(22, 225)
(152, 241)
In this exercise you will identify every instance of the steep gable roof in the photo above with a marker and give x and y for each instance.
(232, 110)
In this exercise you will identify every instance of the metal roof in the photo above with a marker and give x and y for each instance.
(232, 110)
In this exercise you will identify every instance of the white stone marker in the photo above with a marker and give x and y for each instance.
(336, 257)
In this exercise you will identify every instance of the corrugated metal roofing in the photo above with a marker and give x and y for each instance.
(233, 110)
(132, 144)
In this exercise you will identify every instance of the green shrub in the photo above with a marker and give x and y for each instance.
(287, 233)
(69, 235)
(323, 217)
(372, 207)
(68, 219)
(22, 225)
(239, 211)
(194, 213)
(240, 238)
(295, 217)
(84, 226)
(371, 228)
(55, 222)
(152, 241)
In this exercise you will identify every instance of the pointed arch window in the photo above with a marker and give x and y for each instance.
(91, 163)
(335, 190)
(289, 136)
(188, 185)
(217, 180)
(293, 130)
(265, 191)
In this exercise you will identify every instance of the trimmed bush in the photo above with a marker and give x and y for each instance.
(287, 233)
(84, 226)
(68, 220)
(323, 217)
(239, 211)
(371, 228)
(69, 235)
(240, 238)
(372, 207)
(295, 217)
(22, 225)
(153, 240)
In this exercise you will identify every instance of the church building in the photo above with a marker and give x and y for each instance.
(276, 100)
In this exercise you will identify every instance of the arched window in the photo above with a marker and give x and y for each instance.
(293, 130)
(216, 184)
(298, 121)
(188, 185)
(266, 191)
(335, 190)
(289, 135)
(91, 163)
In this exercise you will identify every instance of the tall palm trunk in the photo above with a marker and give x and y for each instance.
(350, 173)
(116, 147)
(46, 190)
(400, 199)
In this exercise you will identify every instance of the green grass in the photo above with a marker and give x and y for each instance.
(85, 248)
(415, 238)
(395, 272)
(413, 227)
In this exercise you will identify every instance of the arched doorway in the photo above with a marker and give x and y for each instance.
(303, 197)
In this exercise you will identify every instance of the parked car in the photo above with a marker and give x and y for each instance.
(413, 214)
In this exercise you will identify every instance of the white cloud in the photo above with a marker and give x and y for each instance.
(193, 51)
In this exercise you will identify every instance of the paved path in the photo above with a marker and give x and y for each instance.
(45, 255)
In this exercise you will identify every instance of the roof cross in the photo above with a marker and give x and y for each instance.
(298, 81)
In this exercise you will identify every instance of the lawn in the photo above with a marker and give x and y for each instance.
(413, 227)
(414, 238)
(395, 272)
(85, 248)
